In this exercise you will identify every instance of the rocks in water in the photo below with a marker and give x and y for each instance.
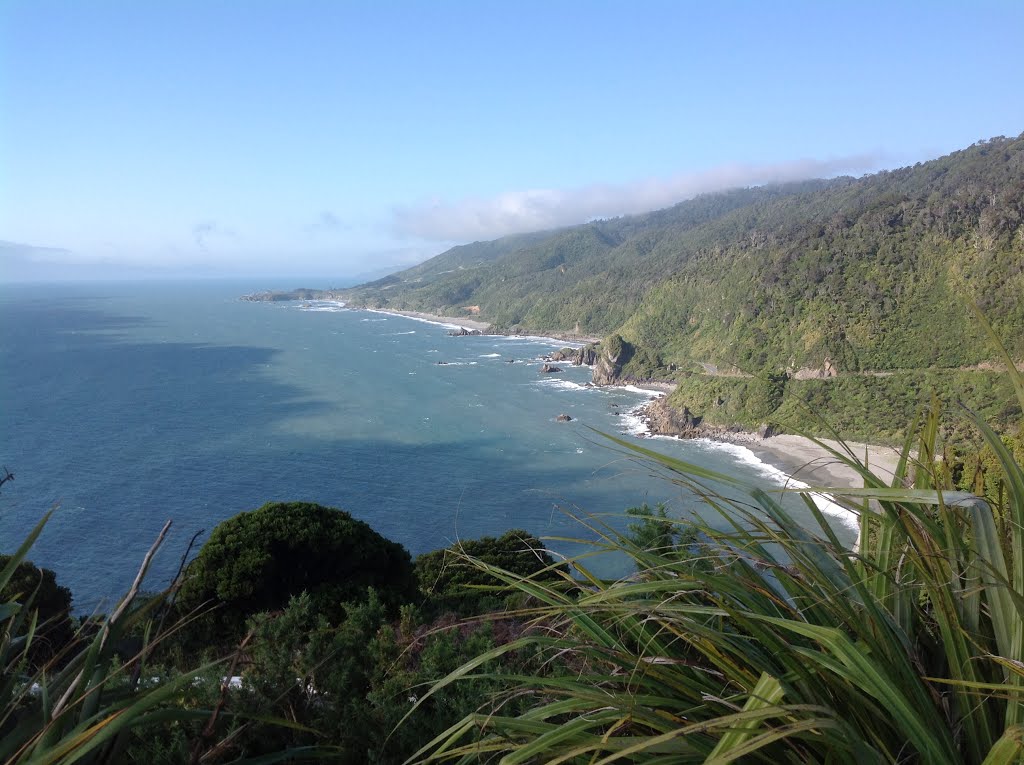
(586, 356)
(442, 363)
(548, 369)
(463, 332)
(664, 419)
(510, 361)
(563, 418)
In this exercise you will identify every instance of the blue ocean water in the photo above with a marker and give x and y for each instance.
(125, 405)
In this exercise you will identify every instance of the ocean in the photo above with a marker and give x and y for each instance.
(125, 405)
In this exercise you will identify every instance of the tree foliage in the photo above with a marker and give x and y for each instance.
(258, 560)
(451, 582)
(38, 586)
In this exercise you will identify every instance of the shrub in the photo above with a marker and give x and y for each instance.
(258, 560)
(30, 583)
(453, 583)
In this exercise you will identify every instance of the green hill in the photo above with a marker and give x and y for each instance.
(865, 277)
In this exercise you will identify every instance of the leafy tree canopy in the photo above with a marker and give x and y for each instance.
(454, 583)
(258, 560)
(37, 587)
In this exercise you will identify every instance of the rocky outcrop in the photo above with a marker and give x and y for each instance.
(663, 419)
(607, 368)
(463, 332)
(586, 356)
(548, 369)
(563, 418)
(825, 371)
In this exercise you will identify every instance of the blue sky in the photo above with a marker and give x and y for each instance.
(288, 139)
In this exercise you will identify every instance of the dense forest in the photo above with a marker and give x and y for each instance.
(848, 279)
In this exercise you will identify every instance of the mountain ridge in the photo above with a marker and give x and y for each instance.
(793, 285)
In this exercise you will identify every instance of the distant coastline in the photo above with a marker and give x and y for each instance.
(798, 456)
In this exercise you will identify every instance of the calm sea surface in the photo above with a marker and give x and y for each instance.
(129, 404)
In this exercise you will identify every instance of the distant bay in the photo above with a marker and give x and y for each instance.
(129, 404)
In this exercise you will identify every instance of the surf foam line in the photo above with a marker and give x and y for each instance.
(445, 324)
(323, 306)
(637, 427)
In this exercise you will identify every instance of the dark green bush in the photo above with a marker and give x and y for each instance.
(258, 560)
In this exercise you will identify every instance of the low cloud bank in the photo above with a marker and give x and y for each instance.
(534, 210)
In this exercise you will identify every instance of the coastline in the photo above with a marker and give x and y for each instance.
(805, 461)
(800, 458)
(449, 321)
(483, 327)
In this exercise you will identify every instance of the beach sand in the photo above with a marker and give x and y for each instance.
(806, 461)
(485, 327)
(460, 321)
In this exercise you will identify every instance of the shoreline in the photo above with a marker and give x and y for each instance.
(798, 457)
(805, 461)
(446, 321)
(483, 327)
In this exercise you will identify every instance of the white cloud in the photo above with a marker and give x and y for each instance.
(537, 209)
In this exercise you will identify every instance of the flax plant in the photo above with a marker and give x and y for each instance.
(770, 642)
(88, 701)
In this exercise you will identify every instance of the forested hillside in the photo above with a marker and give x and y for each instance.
(845, 298)
(860, 274)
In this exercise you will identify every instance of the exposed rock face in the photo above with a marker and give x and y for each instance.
(463, 332)
(563, 418)
(665, 420)
(548, 369)
(662, 419)
(826, 370)
(586, 356)
(607, 369)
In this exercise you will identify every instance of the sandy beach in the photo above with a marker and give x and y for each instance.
(483, 326)
(808, 462)
(460, 321)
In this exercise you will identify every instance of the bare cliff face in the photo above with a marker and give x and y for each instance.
(663, 419)
(607, 367)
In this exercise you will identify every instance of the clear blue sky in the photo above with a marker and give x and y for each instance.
(325, 138)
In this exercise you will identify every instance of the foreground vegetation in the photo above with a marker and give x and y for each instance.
(753, 639)
(742, 637)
